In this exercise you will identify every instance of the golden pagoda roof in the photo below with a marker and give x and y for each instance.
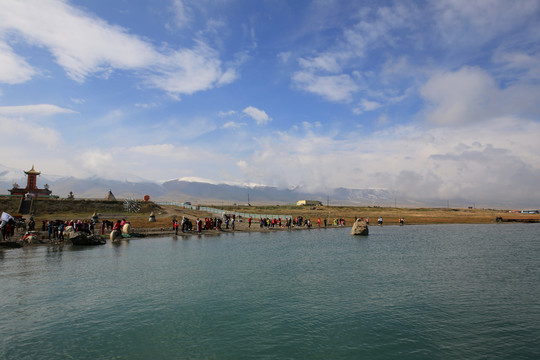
(32, 171)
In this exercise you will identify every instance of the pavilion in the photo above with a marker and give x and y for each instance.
(31, 190)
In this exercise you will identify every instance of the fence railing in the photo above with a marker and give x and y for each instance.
(221, 212)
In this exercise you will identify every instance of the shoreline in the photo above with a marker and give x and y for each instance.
(162, 221)
(143, 233)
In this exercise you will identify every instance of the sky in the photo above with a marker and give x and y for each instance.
(433, 99)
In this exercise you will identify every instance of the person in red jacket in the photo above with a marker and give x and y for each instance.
(118, 228)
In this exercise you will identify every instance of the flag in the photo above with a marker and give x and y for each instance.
(5, 216)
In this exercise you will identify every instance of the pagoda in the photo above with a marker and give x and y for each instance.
(31, 189)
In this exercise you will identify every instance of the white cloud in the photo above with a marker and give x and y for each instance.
(34, 110)
(475, 161)
(399, 67)
(260, 116)
(190, 70)
(187, 129)
(524, 66)
(227, 77)
(470, 23)
(227, 113)
(327, 72)
(149, 161)
(233, 125)
(366, 105)
(155, 150)
(85, 45)
(146, 105)
(18, 130)
(374, 27)
(78, 101)
(325, 62)
(13, 69)
(472, 95)
(337, 88)
(308, 126)
(80, 43)
(284, 56)
(94, 159)
(181, 12)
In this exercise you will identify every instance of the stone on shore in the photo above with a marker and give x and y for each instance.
(359, 227)
(81, 238)
(115, 235)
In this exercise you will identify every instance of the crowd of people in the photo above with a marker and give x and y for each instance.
(7, 229)
(228, 221)
(56, 228)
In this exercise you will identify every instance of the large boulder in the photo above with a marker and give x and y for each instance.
(81, 238)
(69, 231)
(360, 227)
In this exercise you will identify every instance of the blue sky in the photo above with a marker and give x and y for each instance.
(436, 99)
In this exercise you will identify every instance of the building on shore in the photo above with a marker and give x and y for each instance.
(31, 190)
(308, 203)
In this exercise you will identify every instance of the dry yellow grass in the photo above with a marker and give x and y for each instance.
(165, 215)
(391, 215)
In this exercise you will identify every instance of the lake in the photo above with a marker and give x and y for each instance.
(403, 292)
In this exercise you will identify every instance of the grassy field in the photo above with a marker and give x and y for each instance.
(165, 214)
(391, 215)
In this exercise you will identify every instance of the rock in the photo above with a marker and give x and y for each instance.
(359, 227)
(81, 238)
(69, 231)
(115, 236)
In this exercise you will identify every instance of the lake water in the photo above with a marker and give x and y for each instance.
(411, 292)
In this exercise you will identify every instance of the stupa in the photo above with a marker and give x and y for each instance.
(110, 196)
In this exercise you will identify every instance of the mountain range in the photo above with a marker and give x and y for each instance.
(200, 192)
(194, 191)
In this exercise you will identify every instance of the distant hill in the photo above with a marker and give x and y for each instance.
(207, 193)
(180, 190)
(194, 191)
